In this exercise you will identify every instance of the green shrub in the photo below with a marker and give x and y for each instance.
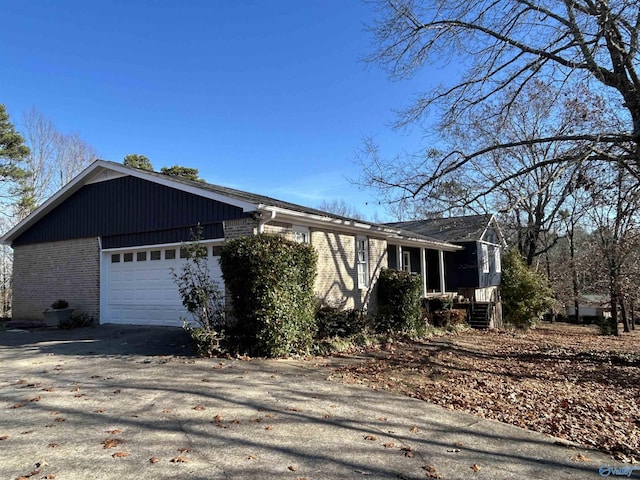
(202, 298)
(526, 294)
(271, 281)
(77, 319)
(59, 304)
(399, 303)
(335, 322)
(449, 317)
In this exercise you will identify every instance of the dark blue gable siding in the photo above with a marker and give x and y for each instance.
(130, 211)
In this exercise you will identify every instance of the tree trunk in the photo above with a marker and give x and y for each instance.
(625, 320)
(614, 312)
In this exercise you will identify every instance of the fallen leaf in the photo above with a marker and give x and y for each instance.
(431, 471)
(251, 457)
(112, 442)
(475, 467)
(154, 460)
(414, 429)
(114, 432)
(167, 410)
(389, 445)
(35, 399)
(453, 450)
(100, 410)
(382, 419)
(269, 427)
(59, 419)
(120, 455)
(371, 438)
(4, 437)
(199, 408)
(580, 458)
(293, 468)
(53, 445)
(117, 391)
(48, 389)
(179, 460)
(17, 405)
(49, 476)
(185, 450)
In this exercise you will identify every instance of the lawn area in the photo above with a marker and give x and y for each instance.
(561, 379)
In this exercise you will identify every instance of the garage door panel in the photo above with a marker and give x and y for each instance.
(144, 292)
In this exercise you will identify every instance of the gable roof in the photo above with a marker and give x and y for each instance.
(467, 228)
(267, 207)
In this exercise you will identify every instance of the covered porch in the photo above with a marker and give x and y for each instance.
(427, 259)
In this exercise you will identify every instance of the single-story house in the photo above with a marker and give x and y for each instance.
(107, 241)
(473, 271)
(591, 306)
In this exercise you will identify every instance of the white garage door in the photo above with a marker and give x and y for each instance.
(138, 288)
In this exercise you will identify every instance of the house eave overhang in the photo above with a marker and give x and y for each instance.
(101, 170)
(354, 226)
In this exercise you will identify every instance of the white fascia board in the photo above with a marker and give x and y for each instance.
(354, 226)
(99, 171)
(75, 184)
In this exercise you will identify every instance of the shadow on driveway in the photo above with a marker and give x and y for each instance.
(106, 340)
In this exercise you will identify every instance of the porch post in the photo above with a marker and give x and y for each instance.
(399, 261)
(423, 269)
(443, 288)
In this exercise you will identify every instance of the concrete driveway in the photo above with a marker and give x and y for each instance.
(116, 402)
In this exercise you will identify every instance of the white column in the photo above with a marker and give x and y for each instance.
(441, 262)
(399, 258)
(423, 269)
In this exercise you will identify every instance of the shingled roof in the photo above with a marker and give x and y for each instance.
(467, 228)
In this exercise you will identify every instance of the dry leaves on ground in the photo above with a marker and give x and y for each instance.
(559, 379)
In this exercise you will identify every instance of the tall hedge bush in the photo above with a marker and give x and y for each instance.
(271, 284)
(399, 302)
(526, 294)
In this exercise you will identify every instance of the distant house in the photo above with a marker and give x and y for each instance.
(473, 272)
(591, 306)
(108, 240)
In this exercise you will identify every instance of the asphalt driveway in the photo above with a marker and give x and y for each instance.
(116, 402)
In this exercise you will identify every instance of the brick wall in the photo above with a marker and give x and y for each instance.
(241, 227)
(46, 272)
(336, 283)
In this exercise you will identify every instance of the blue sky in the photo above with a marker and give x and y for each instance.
(265, 96)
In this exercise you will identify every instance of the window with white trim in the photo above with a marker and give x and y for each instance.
(406, 261)
(484, 257)
(300, 234)
(362, 261)
(496, 259)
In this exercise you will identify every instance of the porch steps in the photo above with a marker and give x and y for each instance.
(479, 315)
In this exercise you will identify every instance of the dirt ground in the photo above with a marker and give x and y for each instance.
(560, 379)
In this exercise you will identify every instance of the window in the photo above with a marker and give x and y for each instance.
(170, 254)
(406, 261)
(115, 258)
(141, 257)
(496, 259)
(300, 234)
(362, 261)
(484, 257)
(184, 253)
(127, 257)
(155, 254)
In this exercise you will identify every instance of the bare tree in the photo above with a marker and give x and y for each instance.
(55, 159)
(341, 208)
(503, 46)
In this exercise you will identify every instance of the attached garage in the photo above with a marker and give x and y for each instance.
(137, 287)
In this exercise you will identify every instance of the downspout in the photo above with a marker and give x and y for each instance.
(264, 221)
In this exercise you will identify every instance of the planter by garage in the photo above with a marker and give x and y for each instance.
(52, 317)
